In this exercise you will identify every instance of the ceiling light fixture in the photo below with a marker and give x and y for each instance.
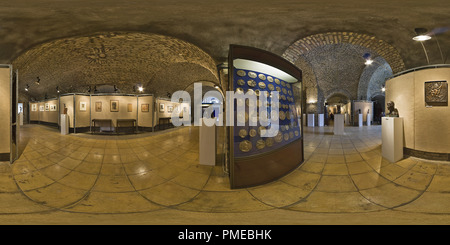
(422, 35)
(27, 87)
(369, 61)
(38, 81)
(57, 89)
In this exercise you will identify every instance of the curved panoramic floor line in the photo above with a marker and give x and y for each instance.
(89, 174)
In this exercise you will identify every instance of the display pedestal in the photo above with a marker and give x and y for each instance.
(392, 138)
(360, 120)
(21, 119)
(338, 124)
(369, 119)
(64, 124)
(310, 120)
(321, 120)
(207, 145)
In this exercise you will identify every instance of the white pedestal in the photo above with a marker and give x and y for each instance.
(360, 120)
(338, 124)
(369, 119)
(392, 138)
(321, 120)
(310, 120)
(21, 119)
(207, 145)
(64, 124)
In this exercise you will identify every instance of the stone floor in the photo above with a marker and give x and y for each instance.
(155, 178)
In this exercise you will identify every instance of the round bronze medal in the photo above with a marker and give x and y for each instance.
(245, 146)
(262, 77)
(241, 73)
(243, 133)
(262, 85)
(260, 144)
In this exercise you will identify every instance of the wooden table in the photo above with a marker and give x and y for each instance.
(130, 123)
(164, 122)
(102, 123)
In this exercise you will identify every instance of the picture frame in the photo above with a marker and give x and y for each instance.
(83, 106)
(52, 107)
(161, 107)
(114, 105)
(145, 107)
(130, 107)
(436, 93)
(98, 106)
(170, 108)
(41, 108)
(33, 107)
(47, 107)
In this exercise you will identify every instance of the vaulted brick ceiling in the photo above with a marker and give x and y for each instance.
(211, 26)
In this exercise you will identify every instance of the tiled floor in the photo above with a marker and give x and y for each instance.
(156, 179)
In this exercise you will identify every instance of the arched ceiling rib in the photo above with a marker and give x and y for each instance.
(160, 63)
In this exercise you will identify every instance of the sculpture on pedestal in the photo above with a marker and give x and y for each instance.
(393, 112)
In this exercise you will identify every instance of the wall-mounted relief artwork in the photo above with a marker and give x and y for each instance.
(114, 105)
(83, 106)
(161, 107)
(98, 106)
(145, 108)
(33, 107)
(436, 93)
(52, 107)
(130, 107)
(47, 107)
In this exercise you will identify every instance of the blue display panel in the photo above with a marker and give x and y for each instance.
(248, 140)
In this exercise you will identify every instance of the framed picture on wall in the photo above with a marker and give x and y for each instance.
(130, 107)
(34, 107)
(145, 108)
(436, 93)
(161, 107)
(52, 107)
(47, 107)
(41, 108)
(82, 106)
(98, 106)
(114, 105)
(170, 108)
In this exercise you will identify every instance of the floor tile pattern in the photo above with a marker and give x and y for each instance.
(156, 175)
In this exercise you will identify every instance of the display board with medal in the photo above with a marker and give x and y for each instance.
(248, 140)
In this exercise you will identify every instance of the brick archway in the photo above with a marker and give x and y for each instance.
(378, 46)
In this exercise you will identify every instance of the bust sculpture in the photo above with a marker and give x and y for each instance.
(393, 112)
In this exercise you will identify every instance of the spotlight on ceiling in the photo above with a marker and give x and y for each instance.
(422, 35)
(38, 81)
(27, 87)
(57, 89)
(383, 88)
(140, 89)
(115, 89)
(367, 56)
